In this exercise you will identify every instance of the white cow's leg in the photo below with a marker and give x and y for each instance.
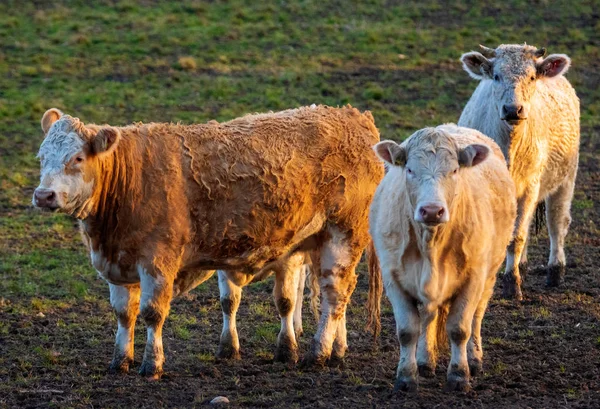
(126, 304)
(231, 295)
(475, 345)
(285, 293)
(157, 291)
(407, 331)
(299, 301)
(512, 277)
(558, 218)
(337, 279)
(427, 344)
(459, 327)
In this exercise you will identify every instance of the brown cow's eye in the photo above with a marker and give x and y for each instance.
(532, 78)
(455, 170)
(78, 159)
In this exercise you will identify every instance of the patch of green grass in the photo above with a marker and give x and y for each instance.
(541, 313)
(266, 333)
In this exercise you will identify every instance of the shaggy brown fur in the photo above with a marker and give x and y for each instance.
(239, 196)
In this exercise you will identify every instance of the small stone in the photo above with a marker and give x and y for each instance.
(41, 314)
(219, 400)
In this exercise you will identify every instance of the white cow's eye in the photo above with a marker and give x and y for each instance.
(78, 159)
(496, 77)
(409, 171)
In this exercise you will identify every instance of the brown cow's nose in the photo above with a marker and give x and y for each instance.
(513, 112)
(45, 198)
(432, 213)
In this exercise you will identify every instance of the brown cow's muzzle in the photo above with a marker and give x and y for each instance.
(45, 198)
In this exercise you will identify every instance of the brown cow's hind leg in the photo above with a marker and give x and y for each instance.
(286, 292)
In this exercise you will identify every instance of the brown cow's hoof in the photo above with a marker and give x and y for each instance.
(120, 365)
(150, 371)
(511, 290)
(405, 384)
(426, 370)
(286, 352)
(227, 351)
(475, 367)
(555, 275)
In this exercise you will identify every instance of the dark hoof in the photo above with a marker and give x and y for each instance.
(336, 361)
(150, 370)
(555, 275)
(475, 367)
(406, 385)
(286, 353)
(458, 380)
(120, 365)
(228, 352)
(457, 385)
(511, 290)
(426, 371)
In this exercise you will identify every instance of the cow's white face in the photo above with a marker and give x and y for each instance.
(69, 158)
(514, 71)
(431, 161)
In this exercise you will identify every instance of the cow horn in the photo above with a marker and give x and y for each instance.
(488, 52)
(540, 52)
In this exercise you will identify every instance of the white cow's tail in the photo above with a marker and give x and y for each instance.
(441, 335)
(375, 291)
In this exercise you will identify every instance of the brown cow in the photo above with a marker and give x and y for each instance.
(163, 201)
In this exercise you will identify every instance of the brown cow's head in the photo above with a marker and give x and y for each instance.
(69, 158)
(431, 162)
(514, 70)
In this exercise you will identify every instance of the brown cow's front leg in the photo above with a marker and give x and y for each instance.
(125, 301)
(512, 277)
(285, 293)
(157, 291)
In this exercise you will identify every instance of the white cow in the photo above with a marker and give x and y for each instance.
(441, 220)
(524, 103)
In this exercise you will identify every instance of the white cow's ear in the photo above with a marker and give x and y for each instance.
(554, 65)
(105, 141)
(472, 155)
(390, 152)
(476, 65)
(50, 116)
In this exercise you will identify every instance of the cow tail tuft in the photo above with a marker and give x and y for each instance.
(375, 291)
(540, 217)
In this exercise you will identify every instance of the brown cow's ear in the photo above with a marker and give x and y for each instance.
(50, 116)
(554, 65)
(477, 65)
(105, 141)
(472, 155)
(391, 153)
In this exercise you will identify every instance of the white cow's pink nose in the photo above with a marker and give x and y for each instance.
(45, 198)
(432, 213)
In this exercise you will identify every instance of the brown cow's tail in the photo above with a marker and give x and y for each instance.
(375, 291)
(441, 335)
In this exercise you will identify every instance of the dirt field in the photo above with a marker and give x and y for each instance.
(123, 61)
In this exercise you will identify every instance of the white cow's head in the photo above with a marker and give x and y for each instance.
(514, 70)
(431, 162)
(70, 156)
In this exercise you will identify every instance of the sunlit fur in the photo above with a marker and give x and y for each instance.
(542, 151)
(452, 265)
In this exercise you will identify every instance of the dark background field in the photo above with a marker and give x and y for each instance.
(192, 61)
